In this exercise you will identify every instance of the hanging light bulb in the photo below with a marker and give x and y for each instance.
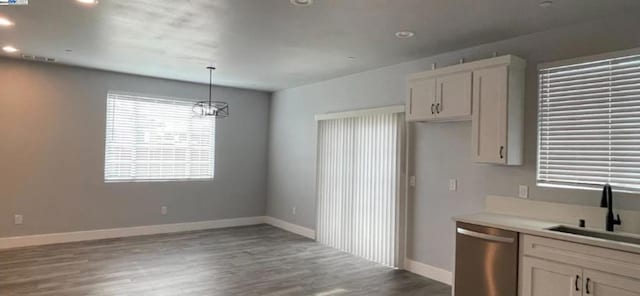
(211, 108)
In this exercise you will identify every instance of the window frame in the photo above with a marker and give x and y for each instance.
(153, 180)
(567, 62)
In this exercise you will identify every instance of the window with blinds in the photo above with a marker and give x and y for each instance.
(589, 123)
(155, 139)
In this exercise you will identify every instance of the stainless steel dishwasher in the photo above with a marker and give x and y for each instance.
(486, 261)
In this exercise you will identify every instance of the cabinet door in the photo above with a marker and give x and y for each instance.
(547, 278)
(453, 96)
(604, 284)
(421, 100)
(489, 120)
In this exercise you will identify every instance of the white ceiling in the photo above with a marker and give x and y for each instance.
(271, 44)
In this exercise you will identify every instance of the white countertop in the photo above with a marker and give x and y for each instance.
(539, 228)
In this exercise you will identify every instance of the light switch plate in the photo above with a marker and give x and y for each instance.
(523, 191)
(163, 210)
(412, 181)
(17, 219)
(453, 185)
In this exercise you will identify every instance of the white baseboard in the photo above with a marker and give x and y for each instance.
(428, 271)
(76, 236)
(56, 238)
(297, 229)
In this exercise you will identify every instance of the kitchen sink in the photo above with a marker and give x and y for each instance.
(632, 239)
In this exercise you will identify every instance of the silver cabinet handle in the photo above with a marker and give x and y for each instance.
(489, 237)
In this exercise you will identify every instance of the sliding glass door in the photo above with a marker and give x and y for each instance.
(359, 183)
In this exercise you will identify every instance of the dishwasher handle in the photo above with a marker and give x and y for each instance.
(484, 236)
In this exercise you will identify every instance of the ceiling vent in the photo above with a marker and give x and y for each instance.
(38, 58)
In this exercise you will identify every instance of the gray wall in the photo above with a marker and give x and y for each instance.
(52, 134)
(442, 150)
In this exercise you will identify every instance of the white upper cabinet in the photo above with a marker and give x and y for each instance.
(421, 100)
(488, 92)
(453, 96)
(441, 98)
(489, 134)
(498, 118)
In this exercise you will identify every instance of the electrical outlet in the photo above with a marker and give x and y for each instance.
(412, 181)
(453, 185)
(523, 191)
(163, 210)
(293, 211)
(17, 219)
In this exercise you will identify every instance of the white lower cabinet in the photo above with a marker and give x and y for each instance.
(605, 284)
(551, 267)
(547, 278)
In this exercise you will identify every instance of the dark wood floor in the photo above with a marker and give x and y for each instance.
(254, 260)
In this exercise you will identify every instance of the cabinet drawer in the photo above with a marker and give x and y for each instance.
(596, 258)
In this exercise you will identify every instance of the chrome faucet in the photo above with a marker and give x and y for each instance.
(607, 202)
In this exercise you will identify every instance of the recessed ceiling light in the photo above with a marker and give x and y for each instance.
(301, 2)
(405, 34)
(89, 2)
(10, 49)
(5, 22)
(546, 3)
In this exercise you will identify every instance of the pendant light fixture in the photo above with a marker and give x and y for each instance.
(211, 108)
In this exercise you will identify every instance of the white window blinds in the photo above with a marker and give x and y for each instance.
(589, 124)
(153, 139)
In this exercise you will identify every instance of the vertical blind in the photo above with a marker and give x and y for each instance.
(154, 139)
(357, 186)
(589, 124)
